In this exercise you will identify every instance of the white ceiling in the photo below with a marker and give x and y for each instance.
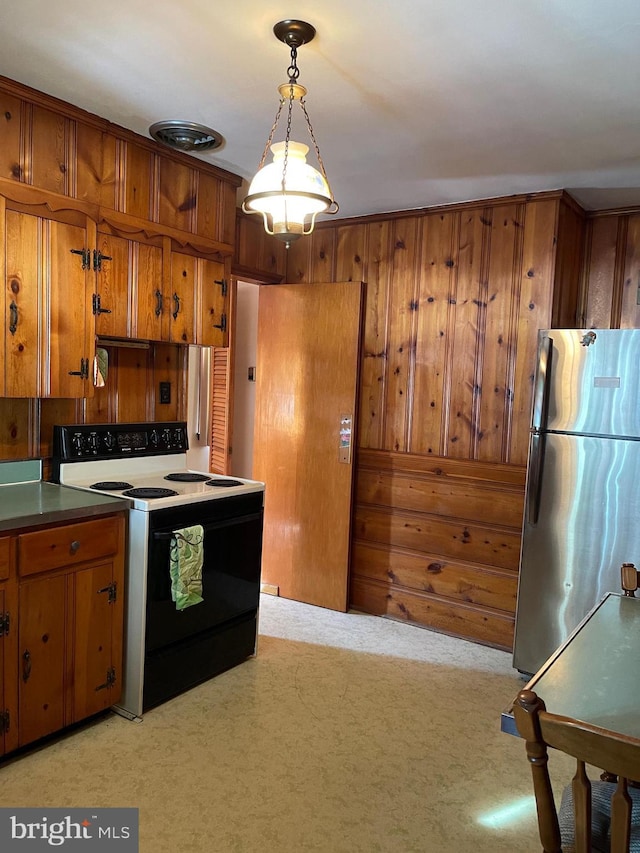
(413, 103)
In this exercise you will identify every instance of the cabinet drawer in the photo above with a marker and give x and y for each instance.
(67, 545)
(5, 551)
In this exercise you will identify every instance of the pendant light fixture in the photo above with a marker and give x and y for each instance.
(289, 193)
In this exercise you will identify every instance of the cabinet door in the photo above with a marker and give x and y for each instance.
(70, 331)
(213, 292)
(42, 657)
(97, 668)
(182, 299)
(113, 270)
(23, 305)
(150, 308)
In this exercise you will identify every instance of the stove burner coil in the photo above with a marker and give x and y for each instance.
(111, 486)
(149, 493)
(187, 477)
(224, 483)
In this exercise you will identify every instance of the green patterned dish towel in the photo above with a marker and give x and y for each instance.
(186, 552)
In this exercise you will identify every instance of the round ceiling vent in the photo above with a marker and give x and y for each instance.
(186, 135)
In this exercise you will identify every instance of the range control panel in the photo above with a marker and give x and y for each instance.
(77, 442)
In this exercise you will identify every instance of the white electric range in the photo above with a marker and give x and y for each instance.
(168, 651)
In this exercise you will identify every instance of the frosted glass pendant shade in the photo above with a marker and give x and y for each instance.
(289, 214)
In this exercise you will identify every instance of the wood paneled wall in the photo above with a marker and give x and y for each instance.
(612, 271)
(455, 298)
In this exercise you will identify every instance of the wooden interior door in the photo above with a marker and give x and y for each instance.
(308, 355)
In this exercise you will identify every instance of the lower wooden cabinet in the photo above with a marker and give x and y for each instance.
(67, 631)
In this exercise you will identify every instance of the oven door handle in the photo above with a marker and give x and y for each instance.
(216, 525)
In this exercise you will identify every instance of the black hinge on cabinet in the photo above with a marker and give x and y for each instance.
(111, 680)
(97, 309)
(222, 325)
(5, 624)
(223, 284)
(5, 722)
(86, 257)
(98, 258)
(83, 373)
(112, 589)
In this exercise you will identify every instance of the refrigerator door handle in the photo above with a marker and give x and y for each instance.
(540, 395)
(538, 425)
(536, 464)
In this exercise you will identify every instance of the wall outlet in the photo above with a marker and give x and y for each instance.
(165, 392)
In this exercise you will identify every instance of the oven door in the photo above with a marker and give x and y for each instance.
(230, 572)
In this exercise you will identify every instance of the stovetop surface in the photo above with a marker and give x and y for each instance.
(149, 472)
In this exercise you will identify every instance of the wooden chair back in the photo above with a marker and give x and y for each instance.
(620, 755)
(629, 578)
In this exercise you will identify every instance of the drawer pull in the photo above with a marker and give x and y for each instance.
(75, 546)
(26, 665)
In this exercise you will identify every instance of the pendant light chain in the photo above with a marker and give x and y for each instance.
(272, 131)
(294, 72)
(315, 145)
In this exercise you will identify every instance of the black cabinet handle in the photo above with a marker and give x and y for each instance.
(176, 311)
(13, 317)
(158, 303)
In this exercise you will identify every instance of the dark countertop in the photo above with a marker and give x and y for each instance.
(30, 504)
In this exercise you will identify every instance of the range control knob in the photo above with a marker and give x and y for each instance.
(109, 440)
(154, 438)
(92, 442)
(77, 443)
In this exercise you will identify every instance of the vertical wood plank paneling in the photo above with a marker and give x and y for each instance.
(225, 232)
(323, 251)
(375, 345)
(10, 134)
(630, 309)
(465, 331)
(208, 200)
(491, 433)
(100, 408)
(167, 364)
(133, 375)
(298, 263)
(95, 166)
(601, 253)
(568, 300)
(176, 195)
(16, 429)
(435, 282)
(49, 138)
(51, 413)
(257, 250)
(534, 302)
(402, 332)
(138, 173)
(351, 243)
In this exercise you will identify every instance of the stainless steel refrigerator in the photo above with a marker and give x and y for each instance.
(582, 507)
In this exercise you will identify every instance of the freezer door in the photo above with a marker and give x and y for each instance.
(592, 379)
(585, 525)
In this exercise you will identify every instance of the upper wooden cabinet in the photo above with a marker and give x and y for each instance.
(147, 290)
(48, 323)
(199, 301)
(158, 243)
